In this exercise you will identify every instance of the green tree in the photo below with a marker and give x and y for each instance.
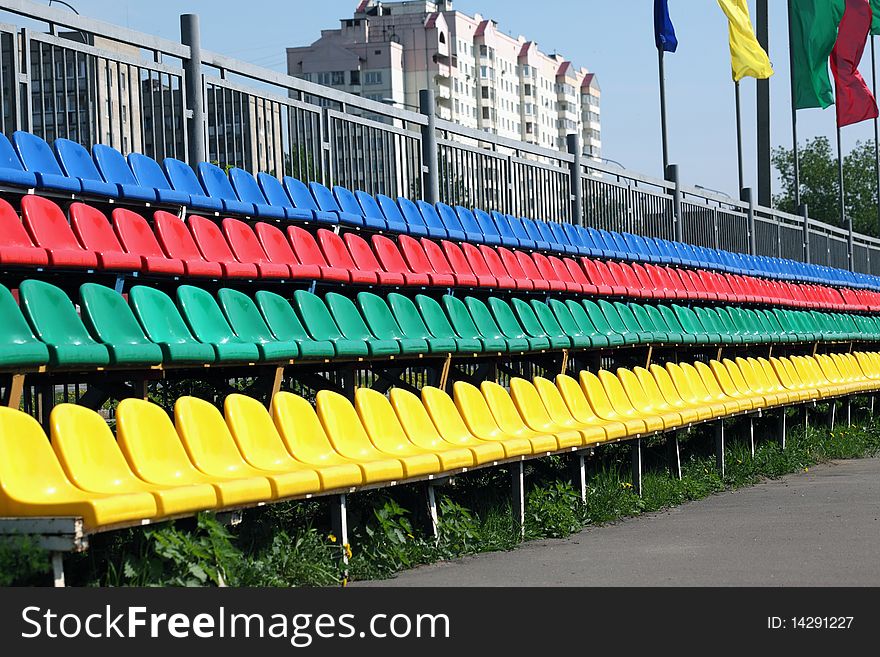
(818, 183)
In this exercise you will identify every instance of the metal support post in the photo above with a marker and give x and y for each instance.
(190, 35)
(430, 166)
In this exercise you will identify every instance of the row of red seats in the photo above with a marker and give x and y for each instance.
(199, 247)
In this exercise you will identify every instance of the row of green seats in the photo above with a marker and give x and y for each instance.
(150, 328)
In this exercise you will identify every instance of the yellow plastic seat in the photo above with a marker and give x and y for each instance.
(815, 380)
(749, 402)
(511, 422)
(304, 438)
(621, 404)
(348, 437)
(791, 379)
(644, 404)
(450, 423)
(475, 411)
(534, 413)
(753, 381)
(260, 444)
(835, 368)
(712, 395)
(154, 452)
(386, 433)
(759, 400)
(33, 483)
(848, 366)
(579, 406)
(772, 377)
(656, 398)
(675, 398)
(91, 459)
(212, 450)
(689, 390)
(422, 431)
(560, 414)
(869, 364)
(603, 408)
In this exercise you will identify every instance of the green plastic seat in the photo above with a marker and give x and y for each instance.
(381, 321)
(54, 320)
(537, 319)
(438, 324)
(110, 319)
(786, 320)
(515, 340)
(512, 326)
(208, 325)
(281, 319)
(692, 325)
(606, 327)
(670, 325)
(629, 328)
(19, 347)
(675, 326)
(411, 323)
(566, 322)
(321, 326)
(712, 321)
(749, 324)
(656, 332)
(770, 329)
(352, 325)
(599, 340)
(245, 319)
(163, 324)
(466, 327)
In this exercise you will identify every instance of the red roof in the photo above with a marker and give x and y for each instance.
(481, 30)
(362, 7)
(431, 23)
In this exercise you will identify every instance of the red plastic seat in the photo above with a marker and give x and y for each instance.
(481, 268)
(392, 260)
(546, 271)
(645, 280)
(415, 258)
(95, 233)
(514, 268)
(717, 285)
(659, 278)
(48, 228)
(307, 251)
(441, 265)
(624, 275)
(595, 277)
(177, 242)
(459, 262)
(214, 247)
(16, 247)
(137, 238)
(576, 272)
(695, 285)
(365, 260)
(247, 248)
(495, 263)
(532, 273)
(278, 250)
(338, 256)
(618, 288)
(562, 273)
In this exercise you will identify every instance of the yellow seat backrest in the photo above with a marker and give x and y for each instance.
(300, 428)
(414, 418)
(381, 422)
(474, 409)
(503, 409)
(528, 402)
(206, 437)
(576, 399)
(343, 425)
(253, 430)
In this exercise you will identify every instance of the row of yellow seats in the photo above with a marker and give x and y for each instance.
(156, 469)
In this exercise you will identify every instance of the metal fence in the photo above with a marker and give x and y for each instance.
(62, 75)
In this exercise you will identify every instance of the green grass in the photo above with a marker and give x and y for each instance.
(291, 544)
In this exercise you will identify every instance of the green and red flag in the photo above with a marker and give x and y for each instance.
(813, 35)
(855, 102)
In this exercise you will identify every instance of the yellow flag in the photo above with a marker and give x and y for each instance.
(747, 57)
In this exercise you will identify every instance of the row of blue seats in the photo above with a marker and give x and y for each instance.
(70, 168)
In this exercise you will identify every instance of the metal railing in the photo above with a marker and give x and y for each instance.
(63, 75)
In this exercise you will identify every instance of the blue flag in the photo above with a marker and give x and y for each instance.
(664, 33)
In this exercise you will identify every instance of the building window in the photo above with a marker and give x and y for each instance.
(338, 77)
(355, 77)
(373, 78)
(442, 38)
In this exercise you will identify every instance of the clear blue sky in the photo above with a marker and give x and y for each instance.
(612, 38)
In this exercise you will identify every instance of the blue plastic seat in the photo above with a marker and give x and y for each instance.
(217, 185)
(77, 163)
(453, 225)
(436, 227)
(472, 229)
(654, 249)
(149, 173)
(277, 197)
(248, 190)
(489, 229)
(114, 169)
(574, 238)
(185, 180)
(394, 218)
(587, 242)
(547, 234)
(637, 246)
(520, 232)
(505, 231)
(409, 211)
(348, 204)
(298, 192)
(12, 171)
(36, 156)
(561, 237)
(535, 234)
(328, 203)
(373, 215)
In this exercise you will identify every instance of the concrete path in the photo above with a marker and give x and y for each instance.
(820, 528)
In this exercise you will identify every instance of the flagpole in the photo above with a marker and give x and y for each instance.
(845, 220)
(663, 134)
(876, 129)
(739, 140)
(794, 132)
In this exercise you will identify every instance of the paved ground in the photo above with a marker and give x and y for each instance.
(820, 528)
